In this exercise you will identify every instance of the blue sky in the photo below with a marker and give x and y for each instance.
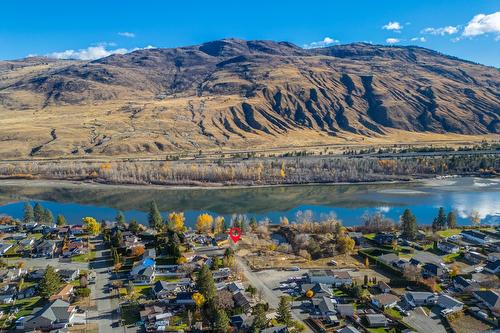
(469, 29)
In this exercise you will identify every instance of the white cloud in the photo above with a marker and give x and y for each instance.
(483, 24)
(394, 26)
(92, 52)
(323, 43)
(127, 34)
(419, 39)
(448, 30)
(392, 40)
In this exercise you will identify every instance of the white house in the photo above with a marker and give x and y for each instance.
(336, 278)
(449, 304)
(476, 236)
(448, 247)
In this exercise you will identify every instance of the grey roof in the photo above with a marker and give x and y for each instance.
(349, 329)
(345, 309)
(276, 329)
(55, 311)
(326, 305)
(376, 318)
(389, 257)
(420, 295)
(161, 285)
(461, 281)
(448, 302)
(490, 297)
(492, 265)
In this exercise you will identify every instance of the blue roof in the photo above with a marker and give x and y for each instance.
(148, 262)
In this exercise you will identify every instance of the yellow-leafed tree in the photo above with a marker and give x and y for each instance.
(204, 223)
(176, 221)
(91, 225)
(198, 299)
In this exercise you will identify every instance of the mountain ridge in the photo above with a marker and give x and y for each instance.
(234, 93)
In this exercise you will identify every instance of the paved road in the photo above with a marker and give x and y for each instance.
(106, 316)
(270, 296)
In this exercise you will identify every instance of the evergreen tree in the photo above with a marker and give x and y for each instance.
(260, 320)
(120, 218)
(439, 222)
(48, 218)
(133, 226)
(451, 220)
(50, 283)
(154, 217)
(38, 213)
(221, 322)
(284, 314)
(205, 283)
(29, 216)
(408, 224)
(253, 224)
(61, 220)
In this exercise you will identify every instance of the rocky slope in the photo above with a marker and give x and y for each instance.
(240, 94)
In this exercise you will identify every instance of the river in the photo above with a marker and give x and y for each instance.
(347, 202)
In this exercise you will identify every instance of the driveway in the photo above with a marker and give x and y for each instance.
(423, 323)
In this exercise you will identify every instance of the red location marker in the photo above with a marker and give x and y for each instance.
(235, 234)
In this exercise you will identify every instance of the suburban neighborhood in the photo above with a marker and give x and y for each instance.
(298, 276)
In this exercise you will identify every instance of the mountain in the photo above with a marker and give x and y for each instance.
(235, 94)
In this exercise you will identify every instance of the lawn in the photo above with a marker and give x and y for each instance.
(84, 257)
(448, 232)
(143, 290)
(25, 307)
(369, 236)
(166, 278)
(339, 293)
(377, 330)
(449, 258)
(393, 313)
(130, 313)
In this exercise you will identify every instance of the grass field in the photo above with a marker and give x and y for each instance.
(84, 257)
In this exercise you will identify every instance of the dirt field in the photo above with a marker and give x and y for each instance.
(469, 324)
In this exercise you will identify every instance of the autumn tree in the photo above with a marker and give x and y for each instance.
(61, 220)
(154, 217)
(29, 216)
(176, 222)
(475, 218)
(198, 299)
(345, 244)
(451, 220)
(204, 223)
(408, 224)
(91, 225)
(138, 251)
(50, 283)
(219, 225)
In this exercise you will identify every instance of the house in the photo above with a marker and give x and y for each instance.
(4, 248)
(336, 278)
(7, 296)
(144, 272)
(356, 236)
(221, 274)
(327, 307)
(45, 248)
(475, 236)
(18, 236)
(383, 301)
(418, 298)
(490, 298)
(235, 287)
(388, 258)
(475, 257)
(185, 298)
(11, 274)
(77, 229)
(376, 320)
(448, 247)
(69, 275)
(27, 292)
(319, 289)
(401, 264)
(275, 329)
(36, 274)
(65, 294)
(463, 285)
(241, 321)
(349, 329)
(384, 287)
(164, 289)
(432, 270)
(384, 238)
(345, 310)
(493, 267)
(151, 313)
(449, 304)
(243, 301)
(494, 256)
(57, 314)
(220, 240)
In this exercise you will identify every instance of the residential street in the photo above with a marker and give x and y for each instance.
(106, 316)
